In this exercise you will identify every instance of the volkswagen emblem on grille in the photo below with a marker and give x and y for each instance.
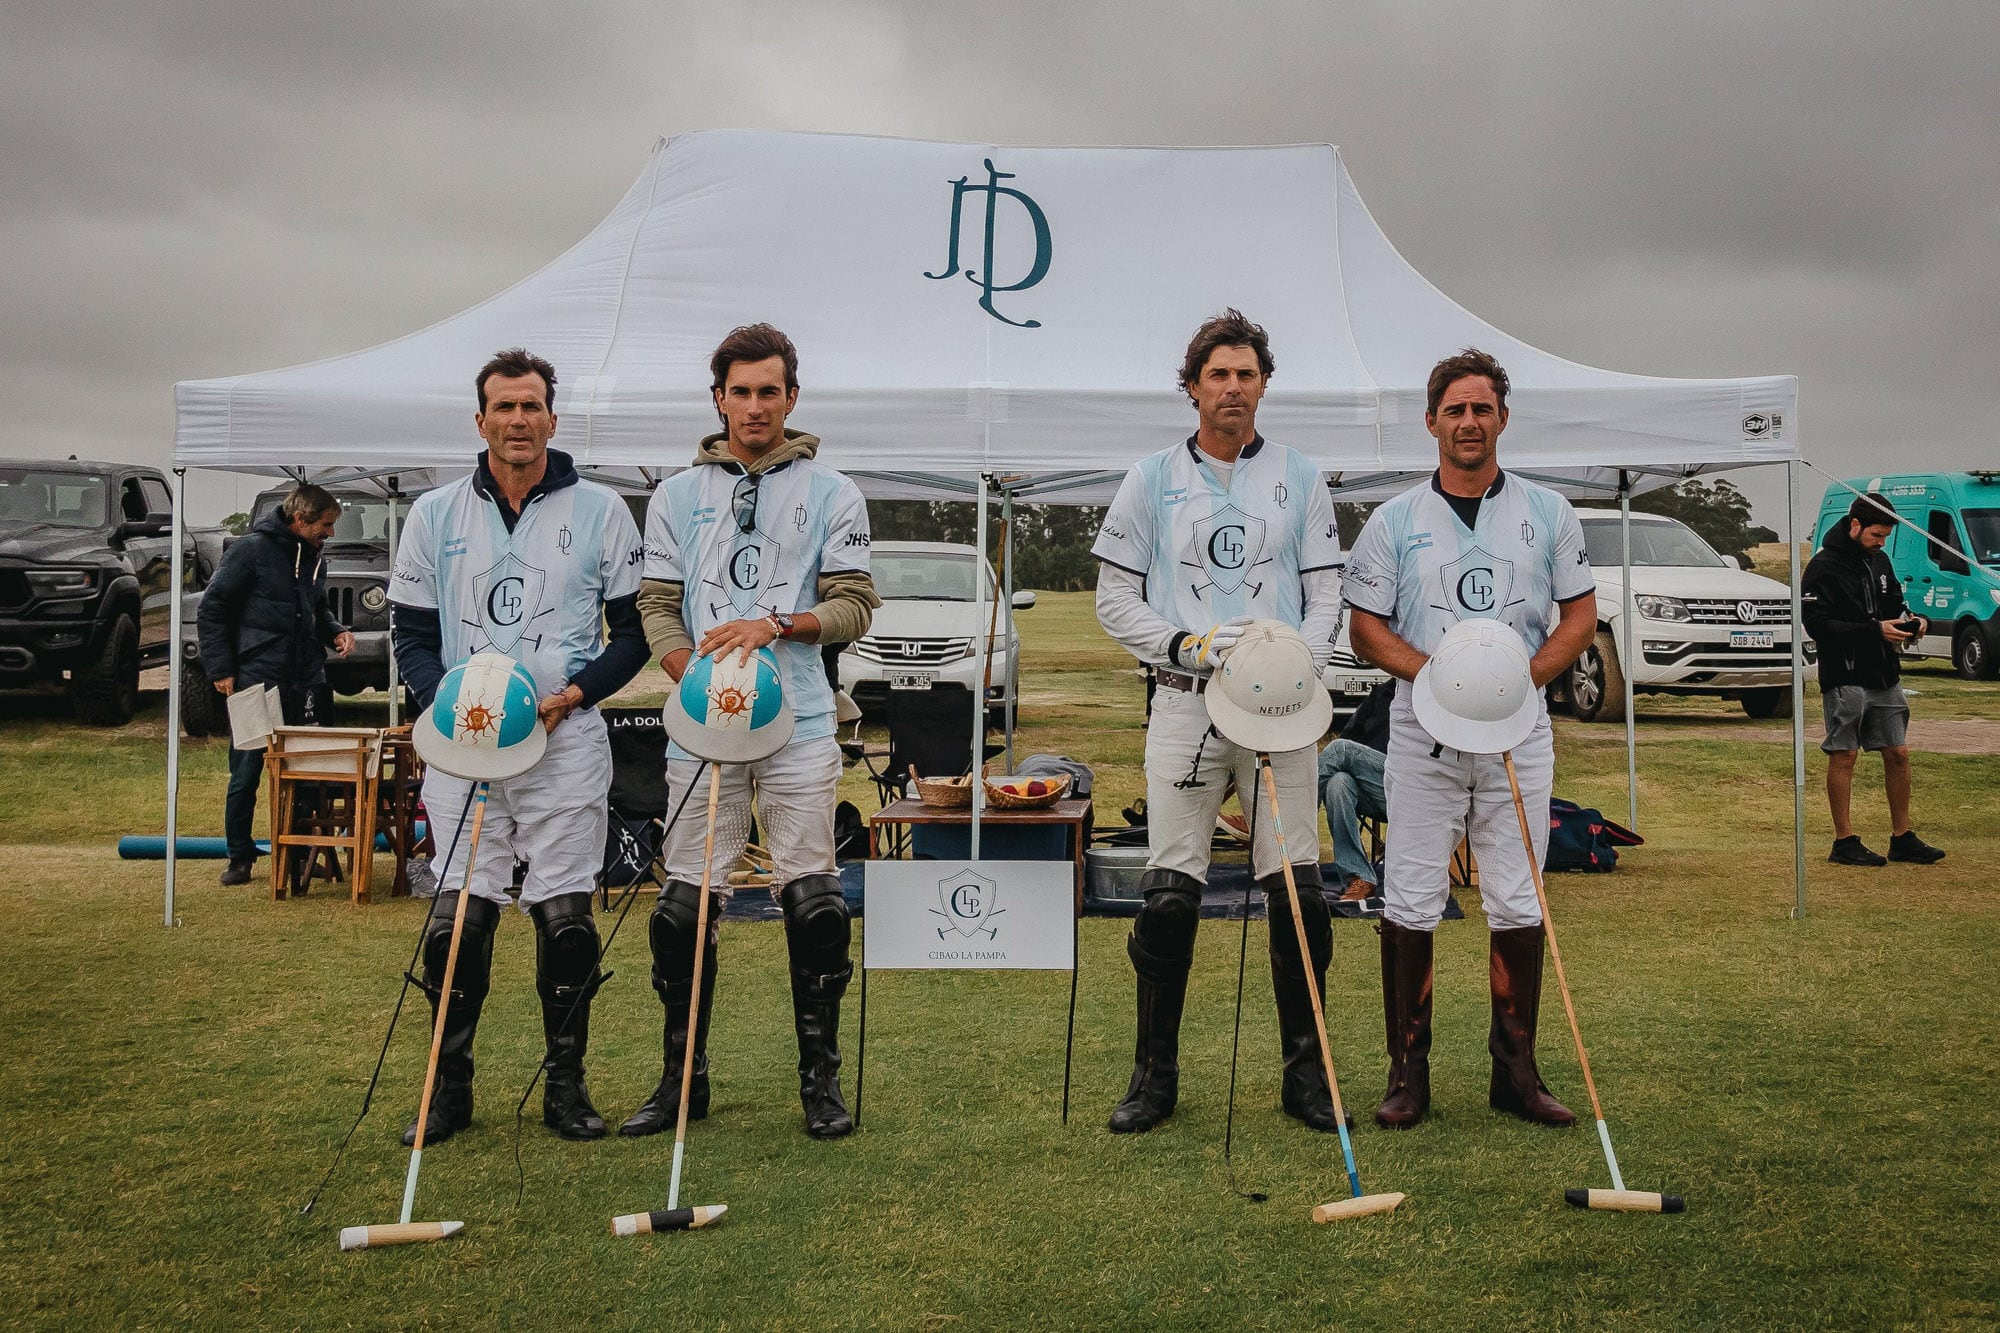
(1746, 611)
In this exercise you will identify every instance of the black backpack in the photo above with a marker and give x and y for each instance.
(1584, 840)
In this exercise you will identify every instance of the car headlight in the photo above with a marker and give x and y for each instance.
(1994, 593)
(1661, 608)
(374, 598)
(61, 582)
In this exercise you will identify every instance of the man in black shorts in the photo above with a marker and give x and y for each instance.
(1854, 611)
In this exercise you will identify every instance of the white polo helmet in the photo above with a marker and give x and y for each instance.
(1267, 696)
(1476, 694)
(482, 725)
(730, 711)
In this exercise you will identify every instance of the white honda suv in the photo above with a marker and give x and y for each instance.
(1704, 624)
(927, 630)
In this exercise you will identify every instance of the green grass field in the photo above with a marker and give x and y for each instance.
(1820, 1090)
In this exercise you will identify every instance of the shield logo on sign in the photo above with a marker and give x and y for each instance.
(968, 902)
(1228, 544)
(1477, 585)
(508, 596)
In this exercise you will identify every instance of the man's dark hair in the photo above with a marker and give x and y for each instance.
(308, 502)
(1871, 512)
(1228, 329)
(754, 342)
(1469, 361)
(514, 363)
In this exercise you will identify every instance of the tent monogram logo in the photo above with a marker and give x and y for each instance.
(966, 904)
(983, 276)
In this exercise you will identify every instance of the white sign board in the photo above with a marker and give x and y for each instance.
(970, 914)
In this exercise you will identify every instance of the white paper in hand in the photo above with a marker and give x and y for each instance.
(254, 713)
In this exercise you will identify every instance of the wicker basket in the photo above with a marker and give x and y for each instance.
(1001, 799)
(943, 793)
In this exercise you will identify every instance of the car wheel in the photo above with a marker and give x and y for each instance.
(204, 712)
(105, 693)
(1971, 655)
(1762, 704)
(1597, 683)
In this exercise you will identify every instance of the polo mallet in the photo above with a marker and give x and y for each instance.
(1617, 1198)
(1359, 1204)
(404, 1231)
(674, 1217)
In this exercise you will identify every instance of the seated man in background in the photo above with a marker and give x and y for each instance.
(1350, 785)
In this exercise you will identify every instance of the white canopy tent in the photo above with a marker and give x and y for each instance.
(967, 311)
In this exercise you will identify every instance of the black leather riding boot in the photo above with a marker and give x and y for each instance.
(566, 977)
(1161, 947)
(451, 1098)
(817, 931)
(1305, 1093)
(672, 931)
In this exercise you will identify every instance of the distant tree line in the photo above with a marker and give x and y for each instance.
(1052, 542)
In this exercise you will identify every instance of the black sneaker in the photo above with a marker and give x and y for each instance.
(1849, 851)
(238, 872)
(1909, 847)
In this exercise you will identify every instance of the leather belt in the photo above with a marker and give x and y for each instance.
(1177, 680)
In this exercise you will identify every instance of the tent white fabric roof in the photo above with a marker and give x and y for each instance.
(875, 255)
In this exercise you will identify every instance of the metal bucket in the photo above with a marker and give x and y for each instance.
(1114, 872)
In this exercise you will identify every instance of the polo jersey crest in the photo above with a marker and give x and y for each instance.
(537, 593)
(1421, 569)
(806, 520)
(1209, 550)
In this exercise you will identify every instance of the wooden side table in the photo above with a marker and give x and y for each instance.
(1073, 813)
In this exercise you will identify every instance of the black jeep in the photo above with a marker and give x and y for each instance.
(85, 568)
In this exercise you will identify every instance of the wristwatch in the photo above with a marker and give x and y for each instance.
(782, 623)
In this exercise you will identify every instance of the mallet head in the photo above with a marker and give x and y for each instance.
(667, 1219)
(396, 1233)
(1360, 1206)
(1625, 1201)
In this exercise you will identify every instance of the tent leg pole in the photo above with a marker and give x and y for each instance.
(985, 643)
(1627, 660)
(175, 628)
(1013, 681)
(395, 694)
(1798, 697)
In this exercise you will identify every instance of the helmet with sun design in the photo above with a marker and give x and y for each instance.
(481, 724)
(730, 711)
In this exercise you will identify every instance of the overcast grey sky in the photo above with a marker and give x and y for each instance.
(203, 187)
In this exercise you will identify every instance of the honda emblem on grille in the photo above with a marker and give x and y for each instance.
(911, 648)
(1746, 611)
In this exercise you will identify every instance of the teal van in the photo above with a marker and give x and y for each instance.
(1961, 599)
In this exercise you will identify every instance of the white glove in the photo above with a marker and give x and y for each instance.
(1208, 651)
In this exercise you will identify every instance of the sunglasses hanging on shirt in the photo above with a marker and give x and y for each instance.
(744, 501)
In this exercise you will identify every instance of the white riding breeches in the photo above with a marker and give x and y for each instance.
(1438, 796)
(1184, 796)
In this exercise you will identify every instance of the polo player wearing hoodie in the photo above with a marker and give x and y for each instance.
(758, 544)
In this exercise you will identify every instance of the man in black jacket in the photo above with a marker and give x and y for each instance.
(264, 620)
(1854, 611)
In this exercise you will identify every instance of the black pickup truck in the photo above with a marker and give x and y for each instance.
(85, 569)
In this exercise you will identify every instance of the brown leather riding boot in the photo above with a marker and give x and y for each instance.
(1517, 1087)
(1406, 1013)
